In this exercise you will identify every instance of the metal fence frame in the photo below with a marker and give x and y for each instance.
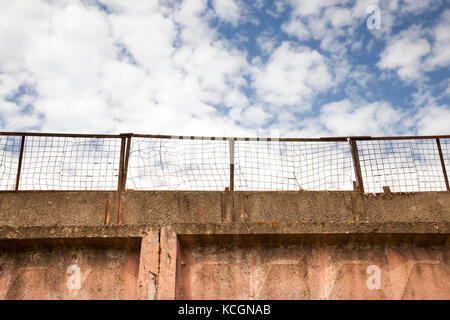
(126, 143)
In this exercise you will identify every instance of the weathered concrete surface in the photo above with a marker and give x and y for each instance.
(251, 245)
(314, 269)
(149, 266)
(68, 273)
(46, 208)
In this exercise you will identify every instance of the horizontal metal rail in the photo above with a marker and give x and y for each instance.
(158, 136)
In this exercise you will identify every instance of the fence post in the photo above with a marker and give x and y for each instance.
(19, 166)
(122, 151)
(356, 164)
(231, 141)
(124, 156)
(444, 171)
(125, 166)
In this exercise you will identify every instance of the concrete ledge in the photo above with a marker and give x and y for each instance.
(68, 243)
(48, 208)
(88, 232)
(19, 209)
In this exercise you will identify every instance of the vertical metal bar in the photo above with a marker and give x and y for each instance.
(231, 164)
(125, 165)
(386, 189)
(19, 166)
(444, 171)
(356, 164)
(122, 151)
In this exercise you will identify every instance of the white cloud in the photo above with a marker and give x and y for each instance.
(433, 120)
(305, 7)
(361, 76)
(440, 55)
(254, 116)
(447, 91)
(338, 17)
(334, 23)
(235, 98)
(344, 117)
(405, 52)
(83, 82)
(162, 67)
(417, 50)
(278, 7)
(266, 43)
(227, 10)
(417, 6)
(297, 28)
(292, 76)
(326, 21)
(347, 117)
(15, 118)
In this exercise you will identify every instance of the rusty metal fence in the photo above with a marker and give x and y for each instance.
(44, 161)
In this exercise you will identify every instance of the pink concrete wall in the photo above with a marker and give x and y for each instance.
(164, 268)
(89, 273)
(225, 245)
(316, 271)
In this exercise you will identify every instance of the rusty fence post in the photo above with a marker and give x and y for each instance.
(123, 170)
(19, 165)
(122, 152)
(356, 164)
(124, 157)
(444, 171)
(125, 164)
(231, 141)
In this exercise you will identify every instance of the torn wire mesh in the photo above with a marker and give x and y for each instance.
(188, 164)
(293, 165)
(178, 164)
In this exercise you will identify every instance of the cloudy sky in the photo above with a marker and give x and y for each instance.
(288, 68)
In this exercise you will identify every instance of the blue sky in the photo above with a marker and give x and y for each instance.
(226, 67)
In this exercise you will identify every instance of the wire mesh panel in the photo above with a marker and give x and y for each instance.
(404, 165)
(83, 162)
(178, 164)
(293, 165)
(445, 147)
(70, 163)
(9, 159)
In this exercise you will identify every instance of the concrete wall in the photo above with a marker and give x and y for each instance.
(68, 273)
(315, 269)
(224, 245)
